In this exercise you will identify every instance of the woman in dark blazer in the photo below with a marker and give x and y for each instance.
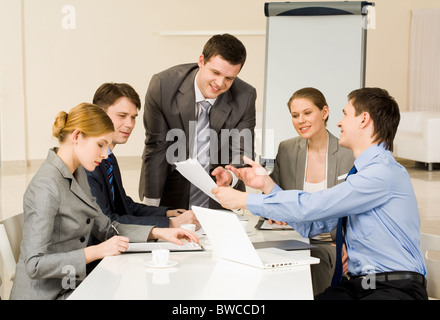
(60, 212)
(311, 162)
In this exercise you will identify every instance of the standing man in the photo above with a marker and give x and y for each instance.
(206, 111)
(121, 103)
(375, 206)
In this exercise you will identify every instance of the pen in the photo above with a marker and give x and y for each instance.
(179, 211)
(116, 230)
(240, 166)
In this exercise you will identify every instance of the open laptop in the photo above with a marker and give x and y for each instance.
(230, 241)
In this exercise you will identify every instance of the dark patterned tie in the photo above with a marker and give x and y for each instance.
(109, 166)
(337, 276)
(198, 197)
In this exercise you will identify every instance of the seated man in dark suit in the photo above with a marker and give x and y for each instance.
(121, 103)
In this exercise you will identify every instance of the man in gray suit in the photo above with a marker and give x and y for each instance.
(173, 106)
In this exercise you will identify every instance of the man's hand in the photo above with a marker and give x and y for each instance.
(183, 218)
(255, 177)
(230, 198)
(222, 176)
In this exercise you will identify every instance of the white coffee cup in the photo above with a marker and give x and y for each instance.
(160, 256)
(244, 224)
(189, 226)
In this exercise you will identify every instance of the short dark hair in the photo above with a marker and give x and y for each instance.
(227, 46)
(383, 109)
(108, 93)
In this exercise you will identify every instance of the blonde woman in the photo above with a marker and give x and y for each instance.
(60, 212)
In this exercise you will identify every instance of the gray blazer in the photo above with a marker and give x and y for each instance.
(170, 104)
(59, 216)
(290, 163)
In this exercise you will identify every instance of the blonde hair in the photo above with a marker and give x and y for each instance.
(88, 118)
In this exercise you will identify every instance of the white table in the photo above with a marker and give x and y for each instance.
(197, 276)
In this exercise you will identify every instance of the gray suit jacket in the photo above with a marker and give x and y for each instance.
(170, 104)
(59, 216)
(290, 163)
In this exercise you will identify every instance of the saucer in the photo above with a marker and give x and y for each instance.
(169, 264)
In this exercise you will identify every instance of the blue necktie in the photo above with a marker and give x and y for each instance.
(109, 166)
(337, 276)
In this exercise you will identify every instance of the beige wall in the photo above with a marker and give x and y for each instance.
(45, 68)
(388, 46)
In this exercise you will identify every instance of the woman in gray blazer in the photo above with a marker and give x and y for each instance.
(313, 161)
(60, 212)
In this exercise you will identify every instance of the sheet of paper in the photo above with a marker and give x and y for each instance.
(192, 170)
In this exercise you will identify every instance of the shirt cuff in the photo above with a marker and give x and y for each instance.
(276, 188)
(152, 202)
(255, 201)
(234, 179)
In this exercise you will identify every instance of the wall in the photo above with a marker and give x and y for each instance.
(388, 46)
(13, 131)
(45, 68)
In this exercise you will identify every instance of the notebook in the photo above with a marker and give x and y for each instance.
(230, 242)
(287, 245)
(149, 246)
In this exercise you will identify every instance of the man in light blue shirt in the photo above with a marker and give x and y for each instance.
(382, 230)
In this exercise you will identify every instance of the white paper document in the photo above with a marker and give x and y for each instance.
(192, 170)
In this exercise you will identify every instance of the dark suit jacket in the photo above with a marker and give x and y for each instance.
(170, 104)
(123, 209)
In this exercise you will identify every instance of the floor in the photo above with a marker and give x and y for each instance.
(14, 180)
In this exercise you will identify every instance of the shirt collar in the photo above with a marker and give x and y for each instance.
(365, 157)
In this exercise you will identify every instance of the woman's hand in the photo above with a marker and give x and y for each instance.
(174, 235)
(280, 223)
(111, 247)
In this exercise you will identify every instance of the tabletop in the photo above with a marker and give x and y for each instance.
(197, 275)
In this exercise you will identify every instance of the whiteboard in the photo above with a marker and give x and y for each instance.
(325, 51)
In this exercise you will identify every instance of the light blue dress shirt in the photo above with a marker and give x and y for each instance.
(383, 224)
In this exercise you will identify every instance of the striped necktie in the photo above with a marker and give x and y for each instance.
(337, 276)
(197, 196)
(109, 165)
